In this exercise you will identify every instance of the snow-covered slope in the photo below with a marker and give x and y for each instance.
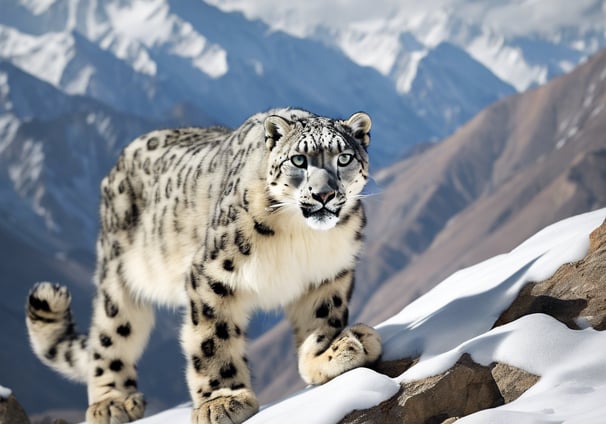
(455, 318)
(524, 43)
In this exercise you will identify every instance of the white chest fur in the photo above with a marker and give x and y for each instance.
(283, 266)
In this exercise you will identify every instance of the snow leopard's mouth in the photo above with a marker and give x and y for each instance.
(319, 212)
(320, 217)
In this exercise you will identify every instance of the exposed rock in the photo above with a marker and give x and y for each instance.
(394, 368)
(574, 295)
(465, 388)
(512, 381)
(11, 412)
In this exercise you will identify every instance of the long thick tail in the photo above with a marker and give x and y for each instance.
(52, 332)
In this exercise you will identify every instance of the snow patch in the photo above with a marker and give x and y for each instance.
(144, 21)
(408, 71)
(130, 51)
(370, 49)
(207, 57)
(5, 392)
(257, 67)
(37, 7)
(360, 388)
(507, 62)
(142, 25)
(27, 171)
(25, 176)
(79, 84)
(572, 132)
(44, 56)
(566, 65)
(9, 125)
(5, 89)
(595, 112)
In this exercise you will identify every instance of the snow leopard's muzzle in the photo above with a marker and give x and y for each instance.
(321, 198)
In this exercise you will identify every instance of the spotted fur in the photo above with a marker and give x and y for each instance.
(221, 222)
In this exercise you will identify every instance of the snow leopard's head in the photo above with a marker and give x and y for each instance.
(317, 165)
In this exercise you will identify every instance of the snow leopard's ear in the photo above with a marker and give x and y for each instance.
(360, 124)
(275, 128)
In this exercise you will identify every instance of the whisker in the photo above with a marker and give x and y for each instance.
(278, 207)
(363, 196)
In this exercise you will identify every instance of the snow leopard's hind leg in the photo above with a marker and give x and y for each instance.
(326, 346)
(52, 332)
(120, 328)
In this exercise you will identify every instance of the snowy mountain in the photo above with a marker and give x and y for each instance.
(524, 43)
(520, 164)
(106, 50)
(55, 148)
(458, 317)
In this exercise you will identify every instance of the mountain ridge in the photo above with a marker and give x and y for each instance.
(533, 179)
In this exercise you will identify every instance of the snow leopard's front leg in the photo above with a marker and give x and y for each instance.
(326, 346)
(213, 341)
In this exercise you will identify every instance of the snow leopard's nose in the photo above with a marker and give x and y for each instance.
(324, 198)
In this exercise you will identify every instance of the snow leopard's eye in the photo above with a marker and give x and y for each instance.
(300, 161)
(344, 159)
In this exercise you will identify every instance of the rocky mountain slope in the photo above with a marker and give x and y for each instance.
(521, 164)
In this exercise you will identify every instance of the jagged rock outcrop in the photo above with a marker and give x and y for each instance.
(465, 388)
(11, 412)
(574, 295)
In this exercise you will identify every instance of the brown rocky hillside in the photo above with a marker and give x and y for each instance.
(518, 166)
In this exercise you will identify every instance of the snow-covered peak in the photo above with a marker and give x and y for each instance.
(37, 7)
(503, 36)
(151, 24)
(133, 30)
(45, 56)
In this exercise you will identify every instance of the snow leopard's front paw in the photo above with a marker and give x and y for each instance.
(48, 299)
(370, 339)
(232, 407)
(116, 411)
(356, 346)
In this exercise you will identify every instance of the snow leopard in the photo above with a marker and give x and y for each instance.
(221, 222)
